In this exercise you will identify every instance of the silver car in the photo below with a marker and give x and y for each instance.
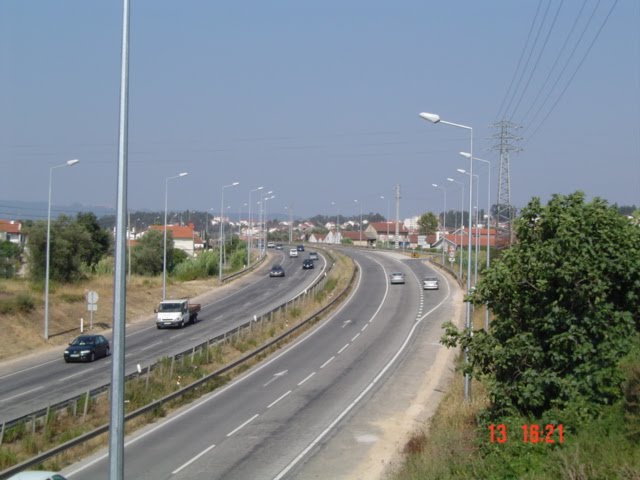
(397, 278)
(430, 283)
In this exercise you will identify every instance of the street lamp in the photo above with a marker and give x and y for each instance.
(434, 118)
(251, 226)
(387, 222)
(222, 226)
(290, 209)
(356, 201)
(266, 223)
(477, 179)
(337, 240)
(261, 219)
(461, 217)
(444, 219)
(68, 163)
(164, 255)
(468, 155)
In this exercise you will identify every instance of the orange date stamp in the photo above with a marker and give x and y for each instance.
(531, 433)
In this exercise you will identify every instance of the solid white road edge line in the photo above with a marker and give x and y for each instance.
(231, 385)
(377, 378)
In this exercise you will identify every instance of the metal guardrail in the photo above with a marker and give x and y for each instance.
(318, 284)
(239, 273)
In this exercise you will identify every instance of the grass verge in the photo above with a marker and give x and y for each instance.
(26, 440)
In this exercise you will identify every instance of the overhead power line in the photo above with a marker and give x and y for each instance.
(595, 38)
(524, 49)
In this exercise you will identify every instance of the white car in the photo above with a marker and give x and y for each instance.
(430, 283)
(397, 278)
(293, 253)
(271, 245)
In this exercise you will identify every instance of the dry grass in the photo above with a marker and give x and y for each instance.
(22, 331)
(448, 441)
(168, 377)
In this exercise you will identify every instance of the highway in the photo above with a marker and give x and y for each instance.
(33, 384)
(274, 420)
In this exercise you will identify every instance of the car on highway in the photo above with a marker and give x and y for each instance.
(300, 248)
(276, 271)
(87, 348)
(430, 283)
(396, 278)
(313, 256)
(37, 475)
(271, 245)
(278, 246)
(293, 253)
(307, 264)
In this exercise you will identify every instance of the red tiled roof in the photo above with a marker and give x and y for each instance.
(177, 231)
(10, 227)
(355, 236)
(381, 227)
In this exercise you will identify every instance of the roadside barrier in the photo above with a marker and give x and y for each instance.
(31, 420)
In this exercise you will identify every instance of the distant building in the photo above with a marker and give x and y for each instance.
(11, 231)
(184, 237)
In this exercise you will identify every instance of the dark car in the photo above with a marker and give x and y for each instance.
(313, 256)
(307, 264)
(86, 348)
(300, 248)
(276, 271)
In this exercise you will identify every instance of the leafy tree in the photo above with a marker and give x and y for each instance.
(70, 246)
(428, 223)
(100, 243)
(9, 259)
(565, 299)
(148, 255)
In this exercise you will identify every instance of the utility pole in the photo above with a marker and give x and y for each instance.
(397, 216)
(504, 210)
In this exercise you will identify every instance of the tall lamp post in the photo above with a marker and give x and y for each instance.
(68, 163)
(290, 209)
(387, 222)
(251, 226)
(360, 205)
(434, 118)
(164, 242)
(461, 216)
(444, 215)
(468, 155)
(477, 179)
(266, 223)
(222, 226)
(337, 222)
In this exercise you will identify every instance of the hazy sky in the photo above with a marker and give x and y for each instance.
(317, 101)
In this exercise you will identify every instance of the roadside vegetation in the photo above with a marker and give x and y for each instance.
(81, 261)
(556, 379)
(23, 441)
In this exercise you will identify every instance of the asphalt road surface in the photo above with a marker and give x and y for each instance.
(284, 417)
(34, 383)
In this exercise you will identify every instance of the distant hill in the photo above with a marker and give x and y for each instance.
(18, 210)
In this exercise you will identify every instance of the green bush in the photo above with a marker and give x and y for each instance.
(202, 266)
